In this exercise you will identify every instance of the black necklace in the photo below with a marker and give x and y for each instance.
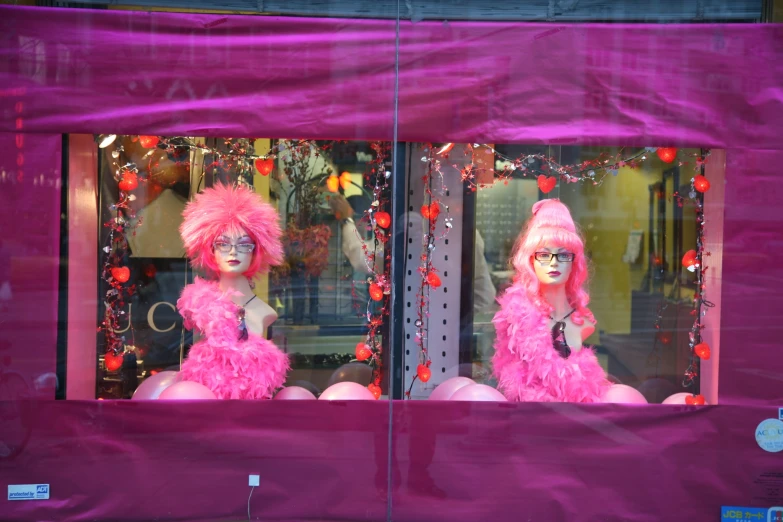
(558, 336)
(242, 325)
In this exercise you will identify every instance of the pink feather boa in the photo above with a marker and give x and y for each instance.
(232, 369)
(527, 366)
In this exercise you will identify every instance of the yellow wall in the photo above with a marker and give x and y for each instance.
(607, 213)
(261, 184)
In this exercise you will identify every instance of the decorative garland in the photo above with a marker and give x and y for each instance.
(380, 221)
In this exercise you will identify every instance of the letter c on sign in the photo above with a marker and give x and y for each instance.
(151, 317)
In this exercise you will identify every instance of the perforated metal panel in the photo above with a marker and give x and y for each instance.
(444, 302)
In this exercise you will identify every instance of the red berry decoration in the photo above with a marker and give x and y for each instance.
(546, 184)
(112, 362)
(128, 182)
(695, 400)
(383, 219)
(363, 352)
(703, 351)
(375, 390)
(667, 154)
(265, 166)
(701, 184)
(376, 292)
(121, 273)
(148, 141)
(423, 373)
(433, 280)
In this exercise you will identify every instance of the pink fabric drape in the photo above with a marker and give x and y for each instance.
(129, 72)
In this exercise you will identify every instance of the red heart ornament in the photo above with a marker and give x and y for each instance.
(264, 166)
(667, 154)
(375, 390)
(383, 219)
(121, 273)
(689, 259)
(433, 280)
(376, 292)
(363, 352)
(112, 362)
(148, 141)
(703, 351)
(701, 184)
(128, 182)
(695, 400)
(546, 184)
(423, 372)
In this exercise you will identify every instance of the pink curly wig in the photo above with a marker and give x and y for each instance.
(552, 226)
(231, 210)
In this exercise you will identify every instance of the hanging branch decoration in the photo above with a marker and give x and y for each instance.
(114, 272)
(429, 278)
(694, 261)
(379, 279)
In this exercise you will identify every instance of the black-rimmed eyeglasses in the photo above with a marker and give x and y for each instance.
(562, 257)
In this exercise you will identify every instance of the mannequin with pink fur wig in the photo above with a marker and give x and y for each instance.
(231, 234)
(543, 319)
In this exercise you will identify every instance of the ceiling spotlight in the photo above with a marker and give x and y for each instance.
(104, 140)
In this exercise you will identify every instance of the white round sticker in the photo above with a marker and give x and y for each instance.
(769, 435)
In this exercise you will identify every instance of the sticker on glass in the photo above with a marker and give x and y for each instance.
(769, 435)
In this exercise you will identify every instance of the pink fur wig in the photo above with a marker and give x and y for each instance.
(231, 210)
(552, 226)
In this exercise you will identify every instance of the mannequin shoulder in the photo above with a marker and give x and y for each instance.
(588, 328)
(262, 313)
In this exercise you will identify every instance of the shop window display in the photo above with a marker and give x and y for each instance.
(302, 221)
(624, 293)
(532, 333)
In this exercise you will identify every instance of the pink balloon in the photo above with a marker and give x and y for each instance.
(623, 394)
(678, 398)
(186, 390)
(347, 391)
(153, 386)
(478, 392)
(446, 389)
(294, 393)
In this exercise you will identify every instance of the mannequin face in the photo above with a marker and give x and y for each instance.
(553, 271)
(233, 253)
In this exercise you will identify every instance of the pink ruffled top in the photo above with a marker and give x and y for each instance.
(528, 367)
(233, 369)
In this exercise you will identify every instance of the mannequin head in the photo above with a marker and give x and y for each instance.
(229, 230)
(549, 232)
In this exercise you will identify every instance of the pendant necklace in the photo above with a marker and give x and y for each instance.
(558, 336)
(242, 325)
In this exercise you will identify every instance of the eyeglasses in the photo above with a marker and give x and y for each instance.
(562, 257)
(242, 248)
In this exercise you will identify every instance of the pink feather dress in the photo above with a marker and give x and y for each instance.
(232, 368)
(528, 367)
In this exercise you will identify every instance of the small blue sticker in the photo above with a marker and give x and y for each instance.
(743, 514)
